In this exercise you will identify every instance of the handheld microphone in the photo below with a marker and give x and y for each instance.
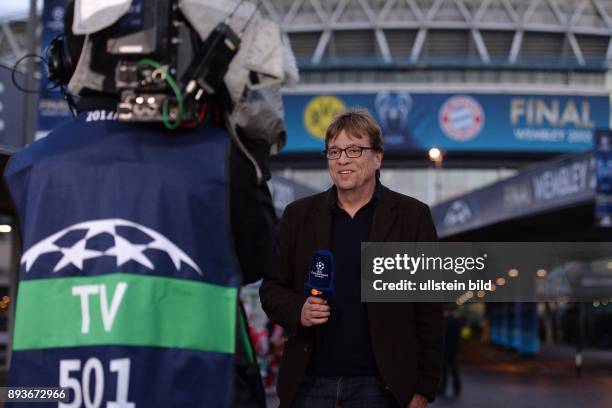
(321, 276)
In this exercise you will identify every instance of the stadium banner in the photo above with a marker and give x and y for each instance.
(603, 172)
(561, 182)
(456, 122)
(52, 109)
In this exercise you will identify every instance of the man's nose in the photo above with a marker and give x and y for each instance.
(344, 157)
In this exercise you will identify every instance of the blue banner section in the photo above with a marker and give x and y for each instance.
(146, 377)
(11, 111)
(456, 122)
(52, 109)
(603, 171)
(554, 184)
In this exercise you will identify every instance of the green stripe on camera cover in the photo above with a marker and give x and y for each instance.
(125, 309)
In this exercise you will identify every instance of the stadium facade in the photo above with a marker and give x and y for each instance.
(529, 65)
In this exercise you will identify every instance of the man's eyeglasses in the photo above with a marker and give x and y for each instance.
(334, 153)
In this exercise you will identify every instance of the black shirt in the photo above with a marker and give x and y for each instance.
(343, 346)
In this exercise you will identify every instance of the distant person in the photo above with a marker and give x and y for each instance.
(452, 333)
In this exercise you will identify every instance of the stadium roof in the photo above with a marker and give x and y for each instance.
(15, 9)
(13, 21)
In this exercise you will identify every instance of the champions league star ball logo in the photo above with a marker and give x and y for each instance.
(319, 271)
(461, 118)
(393, 110)
(56, 22)
(123, 249)
(459, 213)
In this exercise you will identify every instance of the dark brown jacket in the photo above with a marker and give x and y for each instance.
(406, 337)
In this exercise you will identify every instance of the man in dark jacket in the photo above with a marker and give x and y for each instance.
(344, 351)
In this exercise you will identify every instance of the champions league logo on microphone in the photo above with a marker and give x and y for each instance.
(321, 277)
(319, 270)
(59, 252)
(393, 110)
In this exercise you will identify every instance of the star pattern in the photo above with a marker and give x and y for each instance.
(124, 250)
(76, 255)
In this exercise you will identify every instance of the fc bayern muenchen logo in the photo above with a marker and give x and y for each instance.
(461, 118)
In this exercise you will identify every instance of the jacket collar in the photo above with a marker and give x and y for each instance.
(385, 215)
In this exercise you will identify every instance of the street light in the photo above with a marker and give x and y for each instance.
(436, 156)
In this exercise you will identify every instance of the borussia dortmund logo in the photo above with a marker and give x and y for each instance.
(319, 113)
(123, 249)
